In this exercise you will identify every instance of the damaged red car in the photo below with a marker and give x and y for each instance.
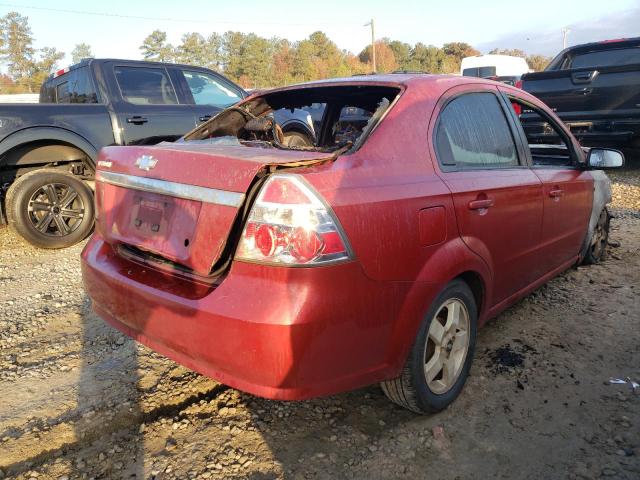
(367, 248)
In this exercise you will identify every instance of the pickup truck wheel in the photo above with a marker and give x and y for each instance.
(439, 362)
(597, 248)
(50, 209)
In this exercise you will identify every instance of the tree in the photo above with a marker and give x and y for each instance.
(538, 62)
(281, 62)
(192, 50)
(426, 58)
(514, 52)
(155, 47)
(80, 51)
(401, 52)
(459, 50)
(385, 58)
(214, 55)
(17, 41)
(41, 69)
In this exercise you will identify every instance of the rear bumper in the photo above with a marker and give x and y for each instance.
(281, 333)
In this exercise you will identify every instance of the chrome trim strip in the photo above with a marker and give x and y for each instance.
(179, 190)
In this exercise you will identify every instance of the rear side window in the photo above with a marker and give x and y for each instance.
(208, 90)
(607, 58)
(145, 86)
(76, 87)
(473, 132)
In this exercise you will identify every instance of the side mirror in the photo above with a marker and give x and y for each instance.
(605, 158)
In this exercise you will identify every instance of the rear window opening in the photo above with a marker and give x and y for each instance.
(324, 119)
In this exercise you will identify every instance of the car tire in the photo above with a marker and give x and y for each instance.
(412, 389)
(597, 248)
(50, 208)
(295, 139)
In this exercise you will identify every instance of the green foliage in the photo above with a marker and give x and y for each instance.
(16, 50)
(514, 52)
(538, 62)
(535, 62)
(17, 40)
(156, 48)
(80, 51)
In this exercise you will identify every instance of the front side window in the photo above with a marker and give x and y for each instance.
(207, 90)
(547, 143)
(472, 132)
(145, 86)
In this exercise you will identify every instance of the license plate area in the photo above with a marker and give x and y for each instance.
(151, 217)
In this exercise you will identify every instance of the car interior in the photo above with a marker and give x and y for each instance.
(339, 117)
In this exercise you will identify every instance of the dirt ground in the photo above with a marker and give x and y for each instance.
(79, 400)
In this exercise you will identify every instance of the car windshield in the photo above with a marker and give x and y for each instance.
(324, 118)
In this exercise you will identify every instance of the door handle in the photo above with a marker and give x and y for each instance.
(137, 120)
(583, 91)
(584, 77)
(557, 193)
(480, 204)
(204, 118)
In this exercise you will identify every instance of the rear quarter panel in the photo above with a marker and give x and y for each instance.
(387, 198)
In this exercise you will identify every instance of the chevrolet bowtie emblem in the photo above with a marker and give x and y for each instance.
(146, 162)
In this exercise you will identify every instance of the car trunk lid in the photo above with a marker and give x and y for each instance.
(180, 201)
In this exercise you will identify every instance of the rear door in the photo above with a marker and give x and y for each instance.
(497, 198)
(148, 107)
(208, 93)
(567, 188)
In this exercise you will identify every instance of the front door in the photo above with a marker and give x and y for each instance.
(497, 198)
(567, 189)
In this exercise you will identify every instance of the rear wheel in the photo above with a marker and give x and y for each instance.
(598, 246)
(439, 362)
(50, 209)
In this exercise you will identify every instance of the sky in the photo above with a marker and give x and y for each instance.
(534, 27)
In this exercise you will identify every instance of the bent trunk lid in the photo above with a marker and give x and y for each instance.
(180, 201)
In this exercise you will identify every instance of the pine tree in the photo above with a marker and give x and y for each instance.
(80, 51)
(155, 47)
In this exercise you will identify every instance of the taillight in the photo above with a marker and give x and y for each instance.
(518, 84)
(289, 224)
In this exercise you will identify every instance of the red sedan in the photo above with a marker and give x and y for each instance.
(298, 265)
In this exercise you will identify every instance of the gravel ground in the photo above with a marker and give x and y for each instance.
(79, 400)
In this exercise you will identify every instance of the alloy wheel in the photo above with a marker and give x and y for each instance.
(56, 209)
(447, 346)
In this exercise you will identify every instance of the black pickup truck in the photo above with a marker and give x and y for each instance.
(48, 150)
(595, 89)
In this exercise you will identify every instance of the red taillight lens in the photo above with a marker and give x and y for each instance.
(266, 239)
(305, 244)
(289, 224)
(518, 84)
(282, 191)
